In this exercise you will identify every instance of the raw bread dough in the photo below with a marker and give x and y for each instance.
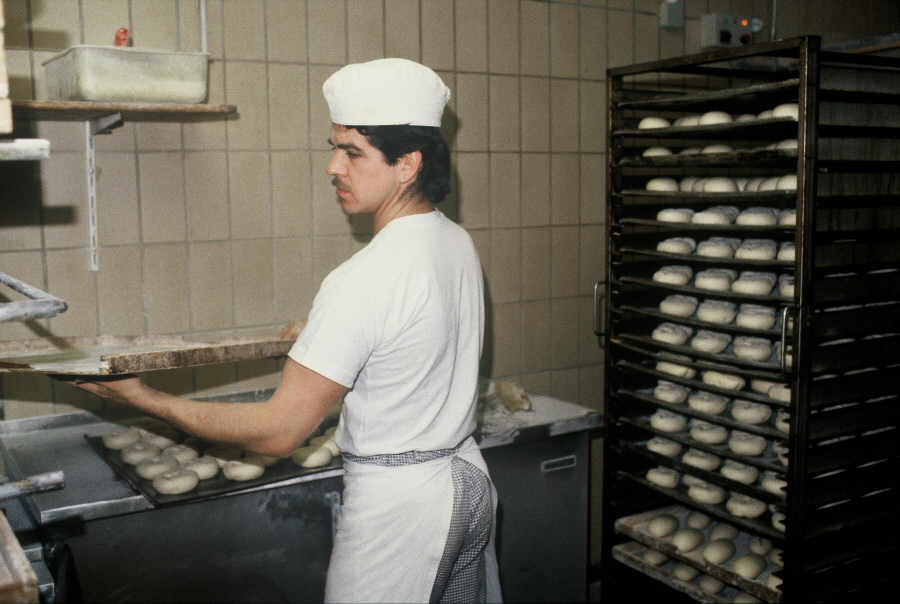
(773, 484)
(744, 443)
(787, 252)
(749, 566)
(312, 456)
(778, 519)
(775, 557)
(756, 249)
(175, 482)
(719, 184)
(715, 214)
(511, 394)
(757, 217)
(750, 412)
(652, 121)
(726, 381)
(181, 453)
(678, 305)
(687, 120)
(773, 582)
(654, 558)
(716, 311)
(742, 597)
(710, 585)
(714, 117)
(684, 572)
(716, 279)
(706, 493)
(240, 471)
(739, 472)
(783, 421)
(224, 453)
(661, 183)
(698, 521)
(669, 392)
(781, 452)
(718, 551)
(687, 539)
(671, 333)
(787, 218)
(780, 392)
(138, 452)
(204, 467)
(755, 283)
(744, 506)
(708, 433)
(760, 545)
(663, 477)
(674, 368)
(717, 247)
(701, 459)
(786, 286)
(121, 438)
(754, 316)
(666, 421)
(664, 446)
(723, 531)
(790, 110)
(752, 348)
(675, 215)
(710, 341)
(327, 440)
(656, 152)
(154, 466)
(677, 245)
(707, 402)
(674, 274)
(717, 148)
(662, 525)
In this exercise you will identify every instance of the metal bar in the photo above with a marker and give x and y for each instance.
(41, 304)
(90, 165)
(33, 484)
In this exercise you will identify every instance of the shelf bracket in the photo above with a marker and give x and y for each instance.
(104, 124)
(40, 304)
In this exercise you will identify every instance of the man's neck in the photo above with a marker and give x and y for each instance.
(405, 206)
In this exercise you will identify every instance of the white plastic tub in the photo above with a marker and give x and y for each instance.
(113, 73)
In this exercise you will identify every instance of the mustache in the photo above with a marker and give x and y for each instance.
(339, 185)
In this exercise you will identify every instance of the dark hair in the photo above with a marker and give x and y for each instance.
(433, 179)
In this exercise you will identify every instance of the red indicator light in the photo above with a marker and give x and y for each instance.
(744, 22)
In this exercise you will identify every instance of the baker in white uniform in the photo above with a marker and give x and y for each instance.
(396, 330)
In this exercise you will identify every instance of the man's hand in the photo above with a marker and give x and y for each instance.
(121, 388)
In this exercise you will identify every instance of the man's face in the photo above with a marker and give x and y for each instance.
(363, 179)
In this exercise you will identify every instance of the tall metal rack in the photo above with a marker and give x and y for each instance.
(835, 520)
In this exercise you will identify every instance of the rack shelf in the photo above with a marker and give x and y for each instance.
(88, 110)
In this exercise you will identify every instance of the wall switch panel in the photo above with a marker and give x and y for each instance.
(718, 30)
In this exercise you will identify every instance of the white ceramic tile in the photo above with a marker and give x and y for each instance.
(471, 35)
(64, 196)
(504, 113)
(564, 261)
(244, 33)
(250, 197)
(401, 24)
(536, 250)
(564, 40)
(503, 36)
(593, 189)
(564, 115)
(536, 331)
(593, 116)
(294, 285)
(473, 172)
(564, 185)
(153, 24)
(535, 189)
(593, 43)
(437, 34)
(27, 267)
(245, 87)
(117, 199)
(505, 199)
(210, 276)
(69, 277)
(365, 30)
(535, 37)
(289, 106)
(504, 278)
(291, 201)
(286, 30)
(163, 214)
(327, 216)
(166, 286)
(564, 339)
(472, 112)
(505, 332)
(535, 103)
(206, 185)
(120, 306)
(327, 32)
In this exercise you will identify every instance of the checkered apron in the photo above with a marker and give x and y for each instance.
(415, 527)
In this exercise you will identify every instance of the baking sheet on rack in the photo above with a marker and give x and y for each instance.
(111, 355)
(283, 469)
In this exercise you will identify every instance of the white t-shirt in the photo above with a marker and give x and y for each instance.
(401, 323)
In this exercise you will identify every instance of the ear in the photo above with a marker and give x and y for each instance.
(408, 166)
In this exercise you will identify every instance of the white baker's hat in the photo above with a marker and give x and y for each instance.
(386, 92)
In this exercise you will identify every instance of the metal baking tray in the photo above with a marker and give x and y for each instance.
(283, 469)
(111, 355)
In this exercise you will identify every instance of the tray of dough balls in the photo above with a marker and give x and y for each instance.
(704, 215)
(167, 467)
(780, 119)
(737, 560)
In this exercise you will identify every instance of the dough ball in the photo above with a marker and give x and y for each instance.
(656, 152)
(716, 311)
(745, 117)
(757, 217)
(744, 443)
(225, 453)
(760, 545)
(684, 572)
(739, 472)
(698, 183)
(698, 520)
(742, 597)
(723, 531)
(780, 392)
(749, 566)
(312, 456)
(788, 144)
(714, 279)
(686, 184)
(138, 452)
(718, 551)
(716, 214)
(710, 341)
(707, 402)
(761, 386)
(752, 348)
(670, 393)
(260, 459)
(787, 251)
(786, 286)
(773, 582)
(705, 432)
(687, 120)
(714, 117)
(756, 249)
(175, 482)
(662, 525)
(744, 506)
(765, 115)
(663, 184)
(663, 477)
(681, 215)
(666, 421)
(752, 185)
(204, 467)
(717, 247)
(719, 184)
(706, 493)
(650, 122)
(773, 484)
(769, 184)
(710, 585)
(181, 453)
(775, 557)
(677, 245)
(788, 182)
(781, 452)
(329, 443)
(690, 480)
(787, 218)
(687, 539)
(654, 558)
(675, 369)
(788, 110)
(674, 275)
(726, 381)
(240, 471)
(754, 283)
(121, 438)
(754, 316)
(678, 305)
(663, 446)
(671, 333)
(750, 412)
(701, 459)
(783, 421)
(154, 466)
(717, 148)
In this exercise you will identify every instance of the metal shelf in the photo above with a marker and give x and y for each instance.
(88, 110)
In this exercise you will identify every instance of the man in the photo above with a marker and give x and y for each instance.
(397, 331)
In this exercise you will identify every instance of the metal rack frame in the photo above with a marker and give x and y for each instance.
(845, 313)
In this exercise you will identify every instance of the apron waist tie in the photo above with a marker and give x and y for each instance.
(404, 459)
